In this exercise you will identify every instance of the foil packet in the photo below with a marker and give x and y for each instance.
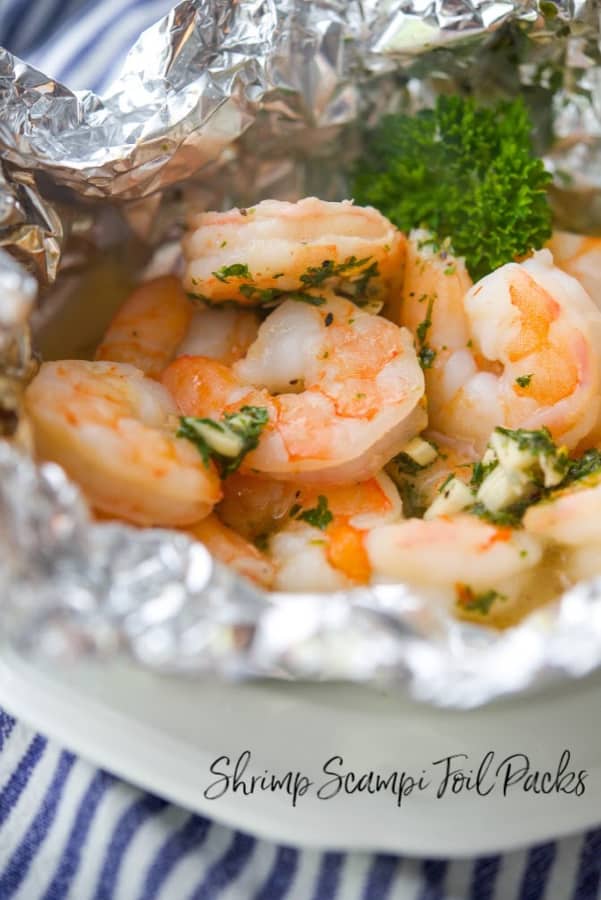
(224, 103)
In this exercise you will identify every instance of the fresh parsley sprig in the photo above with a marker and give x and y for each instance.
(466, 173)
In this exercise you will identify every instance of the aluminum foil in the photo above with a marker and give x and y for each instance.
(222, 103)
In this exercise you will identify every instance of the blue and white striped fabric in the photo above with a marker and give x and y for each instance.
(82, 43)
(68, 830)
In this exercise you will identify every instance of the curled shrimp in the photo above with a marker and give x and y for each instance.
(158, 323)
(570, 515)
(580, 256)
(482, 569)
(233, 550)
(111, 429)
(518, 349)
(571, 518)
(342, 389)
(419, 489)
(253, 256)
(320, 546)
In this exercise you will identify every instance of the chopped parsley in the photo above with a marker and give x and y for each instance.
(511, 517)
(405, 465)
(469, 601)
(423, 327)
(480, 470)
(588, 464)
(537, 443)
(236, 270)
(319, 516)
(425, 354)
(314, 277)
(226, 442)
(523, 380)
(426, 357)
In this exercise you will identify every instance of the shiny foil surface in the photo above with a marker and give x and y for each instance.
(224, 103)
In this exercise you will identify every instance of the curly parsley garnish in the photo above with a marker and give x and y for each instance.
(227, 442)
(464, 172)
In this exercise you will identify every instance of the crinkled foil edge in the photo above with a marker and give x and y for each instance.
(243, 100)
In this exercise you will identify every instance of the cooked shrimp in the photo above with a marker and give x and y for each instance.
(233, 550)
(253, 256)
(445, 553)
(321, 546)
(221, 334)
(519, 349)
(580, 256)
(158, 323)
(571, 518)
(571, 515)
(419, 489)
(111, 430)
(351, 388)
(148, 327)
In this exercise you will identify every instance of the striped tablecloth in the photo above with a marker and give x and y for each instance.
(70, 830)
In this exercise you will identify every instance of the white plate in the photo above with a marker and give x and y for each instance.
(163, 734)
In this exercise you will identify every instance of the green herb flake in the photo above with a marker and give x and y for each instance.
(423, 327)
(426, 357)
(504, 518)
(319, 516)
(404, 464)
(469, 174)
(445, 484)
(482, 603)
(226, 442)
(533, 441)
(578, 469)
(480, 470)
(236, 270)
(524, 380)
(195, 297)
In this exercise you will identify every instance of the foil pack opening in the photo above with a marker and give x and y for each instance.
(222, 104)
